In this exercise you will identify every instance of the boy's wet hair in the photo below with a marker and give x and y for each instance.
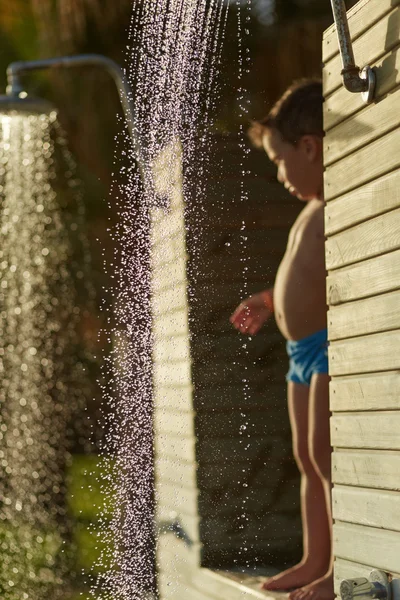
(298, 112)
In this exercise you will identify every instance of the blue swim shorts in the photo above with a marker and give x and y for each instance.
(307, 356)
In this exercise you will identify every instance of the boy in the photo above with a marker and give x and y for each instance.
(292, 136)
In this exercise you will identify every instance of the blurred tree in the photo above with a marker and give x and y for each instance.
(19, 38)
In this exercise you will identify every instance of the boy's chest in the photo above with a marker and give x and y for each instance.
(307, 233)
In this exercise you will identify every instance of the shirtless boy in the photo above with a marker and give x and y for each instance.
(291, 135)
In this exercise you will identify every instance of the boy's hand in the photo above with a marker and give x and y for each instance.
(252, 313)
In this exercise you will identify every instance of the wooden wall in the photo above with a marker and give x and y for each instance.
(247, 479)
(362, 189)
(175, 457)
(224, 467)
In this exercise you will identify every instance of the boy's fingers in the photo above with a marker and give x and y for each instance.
(255, 328)
(240, 314)
(247, 325)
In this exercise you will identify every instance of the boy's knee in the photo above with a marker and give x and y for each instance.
(302, 456)
(320, 457)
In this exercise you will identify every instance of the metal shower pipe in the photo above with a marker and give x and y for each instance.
(16, 69)
(354, 80)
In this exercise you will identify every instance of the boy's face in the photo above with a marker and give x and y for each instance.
(300, 167)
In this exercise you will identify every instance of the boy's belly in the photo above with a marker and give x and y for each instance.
(299, 300)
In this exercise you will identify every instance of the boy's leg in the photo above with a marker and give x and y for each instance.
(320, 453)
(316, 532)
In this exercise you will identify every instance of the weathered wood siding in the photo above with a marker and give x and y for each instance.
(362, 189)
(247, 479)
(175, 458)
(224, 467)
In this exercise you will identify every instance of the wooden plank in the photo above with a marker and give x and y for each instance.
(374, 237)
(172, 589)
(177, 422)
(342, 104)
(360, 18)
(170, 470)
(221, 397)
(226, 587)
(248, 580)
(175, 348)
(227, 504)
(370, 315)
(268, 216)
(368, 354)
(374, 121)
(372, 161)
(166, 517)
(224, 243)
(262, 267)
(180, 397)
(373, 276)
(367, 468)
(174, 556)
(183, 501)
(177, 448)
(380, 391)
(170, 274)
(223, 295)
(174, 549)
(175, 587)
(220, 346)
(232, 345)
(377, 40)
(207, 315)
(169, 261)
(367, 545)
(173, 374)
(169, 245)
(257, 473)
(171, 324)
(370, 200)
(237, 423)
(256, 529)
(225, 371)
(264, 550)
(173, 221)
(167, 250)
(374, 508)
(169, 300)
(221, 451)
(378, 430)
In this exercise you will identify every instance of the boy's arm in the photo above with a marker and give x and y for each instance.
(252, 313)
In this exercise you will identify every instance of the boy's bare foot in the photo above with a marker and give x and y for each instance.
(321, 589)
(296, 577)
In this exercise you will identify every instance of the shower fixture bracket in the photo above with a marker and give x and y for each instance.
(354, 80)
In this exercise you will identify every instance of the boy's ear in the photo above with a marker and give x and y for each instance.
(311, 146)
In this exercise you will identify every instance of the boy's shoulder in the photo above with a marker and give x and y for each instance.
(313, 210)
(311, 217)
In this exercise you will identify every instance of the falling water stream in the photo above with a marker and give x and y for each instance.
(172, 72)
(41, 376)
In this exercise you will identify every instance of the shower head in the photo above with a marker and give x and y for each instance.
(17, 70)
(25, 104)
